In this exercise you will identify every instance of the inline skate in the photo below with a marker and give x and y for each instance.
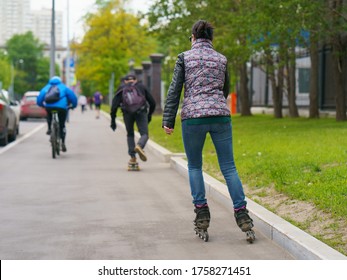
(133, 165)
(245, 223)
(202, 221)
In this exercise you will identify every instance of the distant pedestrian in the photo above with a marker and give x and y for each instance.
(97, 100)
(203, 71)
(82, 100)
(90, 102)
(137, 105)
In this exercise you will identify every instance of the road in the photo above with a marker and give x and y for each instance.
(85, 205)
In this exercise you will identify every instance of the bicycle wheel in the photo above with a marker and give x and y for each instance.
(57, 144)
(53, 142)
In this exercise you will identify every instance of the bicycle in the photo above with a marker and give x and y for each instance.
(55, 134)
(55, 138)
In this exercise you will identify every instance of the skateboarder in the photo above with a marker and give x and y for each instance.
(137, 105)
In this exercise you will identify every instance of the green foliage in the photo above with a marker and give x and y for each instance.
(25, 52)
(251, 28)
(5, 73)
(113, 37)
(24, 47)
(42, 77)
(241, 27)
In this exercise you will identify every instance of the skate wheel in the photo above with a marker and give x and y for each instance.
(206, 237)
(250, 236)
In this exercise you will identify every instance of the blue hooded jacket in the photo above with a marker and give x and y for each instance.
(67, 96)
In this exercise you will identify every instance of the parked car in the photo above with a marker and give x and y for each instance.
(29, 108)
(15, 105)
(9, 126)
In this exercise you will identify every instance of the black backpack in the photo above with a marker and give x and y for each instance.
(52, 95)
(132, 99)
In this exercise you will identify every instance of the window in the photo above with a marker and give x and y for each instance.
(304, 80)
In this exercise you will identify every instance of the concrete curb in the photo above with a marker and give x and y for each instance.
(295, 241)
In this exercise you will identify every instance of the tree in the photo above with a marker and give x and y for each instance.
(25, 52)
(113, 37)
(277, 32)
(42, 76)
(172, 21)
(232, 19)
(5, 73)
(338, 42)
(311, 15)
(268, 33)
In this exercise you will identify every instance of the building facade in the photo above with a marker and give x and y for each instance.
(42, 25)
(17, 18)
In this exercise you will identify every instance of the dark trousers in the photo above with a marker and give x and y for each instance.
(141, 120)
(62, 114)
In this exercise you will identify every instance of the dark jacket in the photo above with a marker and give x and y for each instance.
(117, 100)
(203, 72)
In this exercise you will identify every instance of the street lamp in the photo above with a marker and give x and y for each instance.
(13, 67)
(21, 62)
(52, 51)
(67, 64)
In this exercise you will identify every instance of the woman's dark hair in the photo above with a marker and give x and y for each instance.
(202, 29)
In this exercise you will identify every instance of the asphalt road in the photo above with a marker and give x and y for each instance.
(85, 205)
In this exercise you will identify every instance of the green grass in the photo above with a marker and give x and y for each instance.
(302, 158)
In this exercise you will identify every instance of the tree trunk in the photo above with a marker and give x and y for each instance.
(279, 92)
(293, 108)
(338, 52)
(244, 92)
(277, 89)
(314, 76)
(340, 96)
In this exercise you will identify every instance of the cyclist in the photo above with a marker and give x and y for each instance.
(66, 97)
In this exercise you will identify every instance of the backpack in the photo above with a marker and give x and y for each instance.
(132, 99)
(52, 95)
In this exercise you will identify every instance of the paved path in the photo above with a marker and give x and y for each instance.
(86, 205)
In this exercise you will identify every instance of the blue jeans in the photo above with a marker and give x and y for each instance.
(193, 139)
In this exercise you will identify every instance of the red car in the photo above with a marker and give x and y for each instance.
(29, 107)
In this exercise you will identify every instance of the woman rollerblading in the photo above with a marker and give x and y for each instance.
(245, 223)
(205, 111)
(202, 221)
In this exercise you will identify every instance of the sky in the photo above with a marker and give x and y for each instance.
(77, 9)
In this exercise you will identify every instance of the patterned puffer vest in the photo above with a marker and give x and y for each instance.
(204, 80)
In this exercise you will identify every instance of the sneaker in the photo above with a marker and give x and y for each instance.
(48, 132)
(133, 165)
(140, 152)
(63, 147)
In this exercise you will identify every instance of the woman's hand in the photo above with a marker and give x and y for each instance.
(168, 131)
